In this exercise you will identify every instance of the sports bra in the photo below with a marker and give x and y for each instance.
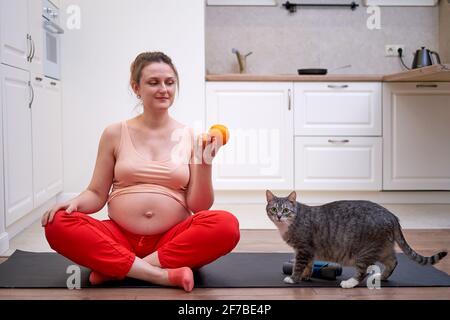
(135, 174)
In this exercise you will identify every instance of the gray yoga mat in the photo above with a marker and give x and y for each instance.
(235, 270)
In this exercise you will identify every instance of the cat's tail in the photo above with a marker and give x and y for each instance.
(400, 239)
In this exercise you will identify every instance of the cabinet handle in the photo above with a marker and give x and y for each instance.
(32, 94)
(53, 83)
(33, 49)
(28, 47)
(289, 99)
(38, 79)
(335, 86)
(426, 85)
(338, 141)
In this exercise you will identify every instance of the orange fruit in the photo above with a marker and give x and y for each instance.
(219, 131)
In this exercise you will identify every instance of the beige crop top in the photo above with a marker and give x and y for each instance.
(134, 174)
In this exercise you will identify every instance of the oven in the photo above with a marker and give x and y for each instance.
(52, 36)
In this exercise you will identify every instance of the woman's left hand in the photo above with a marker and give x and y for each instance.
(209, 146)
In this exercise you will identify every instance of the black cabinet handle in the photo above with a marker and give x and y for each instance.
(426, 85)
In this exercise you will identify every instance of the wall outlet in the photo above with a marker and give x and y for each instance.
(391, 50)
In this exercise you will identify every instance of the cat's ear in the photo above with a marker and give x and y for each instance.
(269, 195)
(292, 197)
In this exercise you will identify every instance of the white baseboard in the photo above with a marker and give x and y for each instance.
(321, 197)
(4, 242)
(416, 209)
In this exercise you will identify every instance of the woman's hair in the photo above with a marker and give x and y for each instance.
(144, 59)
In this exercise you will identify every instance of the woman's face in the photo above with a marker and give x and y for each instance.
(157, 85)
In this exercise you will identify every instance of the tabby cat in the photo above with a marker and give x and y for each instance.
(352, 233)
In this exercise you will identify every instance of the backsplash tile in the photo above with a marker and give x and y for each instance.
(315, 37)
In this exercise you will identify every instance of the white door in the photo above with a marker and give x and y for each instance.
(17, 148)
(259, 116)
(416, 125)
(336, 108)
(47, 149)
(15, 46)
(35, 31)
(338, 163)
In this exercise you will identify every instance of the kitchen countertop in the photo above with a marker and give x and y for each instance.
(437, 72)
(432, 73)
(292, 77)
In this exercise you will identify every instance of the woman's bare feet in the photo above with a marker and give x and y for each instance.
(96, 278)
(140, 269)
(181, 277)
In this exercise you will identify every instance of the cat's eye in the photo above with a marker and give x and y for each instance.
(273, 210)
(285, 210)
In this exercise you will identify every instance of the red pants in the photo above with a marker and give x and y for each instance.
(105, 247)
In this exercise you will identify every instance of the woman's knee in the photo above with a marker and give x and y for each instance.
(58, 227)
(226, 227)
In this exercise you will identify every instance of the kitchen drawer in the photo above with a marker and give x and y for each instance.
(338, 163)
(338, 109)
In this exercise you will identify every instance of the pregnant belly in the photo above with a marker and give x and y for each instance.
(146, 213)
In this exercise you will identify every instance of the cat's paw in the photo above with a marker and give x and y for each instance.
(350, 283)
(289, 280)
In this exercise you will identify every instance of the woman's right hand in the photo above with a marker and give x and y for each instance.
(68, 206)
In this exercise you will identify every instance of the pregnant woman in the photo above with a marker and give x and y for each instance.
(160, 225)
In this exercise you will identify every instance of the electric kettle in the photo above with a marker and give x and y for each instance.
(423, 58)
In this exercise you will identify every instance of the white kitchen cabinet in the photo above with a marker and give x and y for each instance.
(338, 144)
(32, 145)
(21, 34)
(336, 108)
(36, 36)
(47, 143)
(17, 145)
(337, 163)
(259, 154)
(15, 45)
(416, 136)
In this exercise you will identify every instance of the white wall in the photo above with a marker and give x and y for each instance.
(3, 235)
(96, 63)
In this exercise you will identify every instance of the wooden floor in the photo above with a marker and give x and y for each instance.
(425, 242)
